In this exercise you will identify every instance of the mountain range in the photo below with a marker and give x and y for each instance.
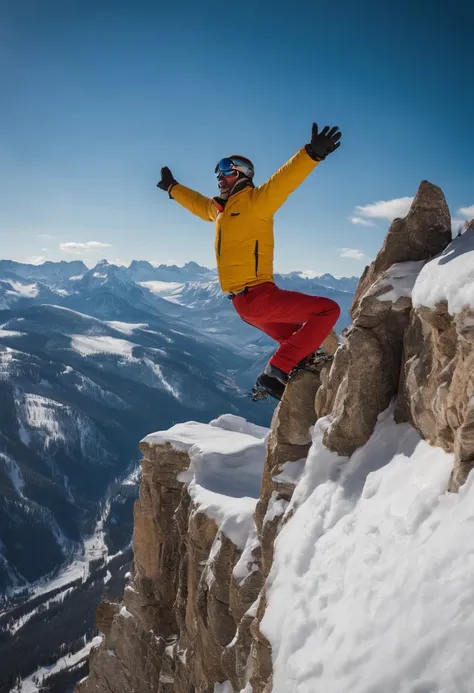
(90, 361)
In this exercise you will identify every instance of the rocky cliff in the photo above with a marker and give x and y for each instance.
(227, 588)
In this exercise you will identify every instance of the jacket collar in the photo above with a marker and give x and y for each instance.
(238, 187)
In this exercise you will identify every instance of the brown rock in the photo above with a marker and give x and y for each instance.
(437, 384)
(365, 373)
(105, 615)
(422, 234)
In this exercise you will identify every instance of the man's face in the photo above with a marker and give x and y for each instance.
(226, 183)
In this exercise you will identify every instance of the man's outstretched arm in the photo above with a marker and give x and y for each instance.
(193, 201)
(270, 196)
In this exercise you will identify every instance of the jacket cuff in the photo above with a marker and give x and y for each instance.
(170, 189)
(311, 154)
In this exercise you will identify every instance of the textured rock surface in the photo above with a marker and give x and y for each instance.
(437, 385)
(366, 370)
(191, 613)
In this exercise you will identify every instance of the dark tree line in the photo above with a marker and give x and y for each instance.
(61, 628)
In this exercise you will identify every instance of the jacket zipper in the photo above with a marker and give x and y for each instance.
(256, 258)
(219, 243)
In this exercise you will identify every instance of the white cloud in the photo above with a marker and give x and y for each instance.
(467, 212)
(78, 248)
(310, 274)
(385, 209)
(362, 222)
(352, 253)
(45, 235)
(118, 261)
(35, 260)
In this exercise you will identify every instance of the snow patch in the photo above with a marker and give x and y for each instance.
(127, 327)
(163, 289)
(233, 516)
(25, 290)
(222, 461)
(291, 472)
(398, 279)
(374, 569)
(225, 470)
(29, 684)
(225, 687)
(10, 333)
(448, 277)
(13, 472)
(237, 424)
(89, 346)
(41, 413)
(246, 563)
(158, 371)
(276, 508)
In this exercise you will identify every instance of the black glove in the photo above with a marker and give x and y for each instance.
(324, 142)
(167, 180)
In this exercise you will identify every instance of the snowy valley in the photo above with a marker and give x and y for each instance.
(90, 361)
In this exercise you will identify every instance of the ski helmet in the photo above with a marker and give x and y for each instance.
(230, 164)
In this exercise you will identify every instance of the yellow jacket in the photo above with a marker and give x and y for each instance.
(244, 230)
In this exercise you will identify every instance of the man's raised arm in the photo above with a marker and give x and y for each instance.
(193, 201)
(271, 195)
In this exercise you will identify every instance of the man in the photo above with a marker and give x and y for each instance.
(244, 251)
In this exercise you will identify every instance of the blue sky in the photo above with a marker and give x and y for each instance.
(96, 97)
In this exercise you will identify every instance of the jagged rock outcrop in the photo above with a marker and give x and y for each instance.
(366, 370)
(190, 620)
(437, 386)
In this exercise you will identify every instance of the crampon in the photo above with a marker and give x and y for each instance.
(313, 362)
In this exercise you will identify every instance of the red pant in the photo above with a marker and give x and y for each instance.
(298, 321)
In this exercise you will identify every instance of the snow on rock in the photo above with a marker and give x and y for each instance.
(158, 371)
(230, 422)
(48, 422)
(223, 477)
(163, 289)
(226, 462)
(43, 414)
(88, 346)
(127, 327)
(225, 687)
(30, 685)
(291, 472)
(398, 280)
(125, 613)
(24, 290)
(448, 277)
(10, 333)
(233, 516)
(375, 572)
(247, 563)
(13, 472)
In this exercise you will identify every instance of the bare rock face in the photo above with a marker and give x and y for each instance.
(423, 233)
(437, 384)
(366, 370)
(191, 611)
(105, 615)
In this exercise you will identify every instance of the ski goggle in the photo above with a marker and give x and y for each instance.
(229, 167)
